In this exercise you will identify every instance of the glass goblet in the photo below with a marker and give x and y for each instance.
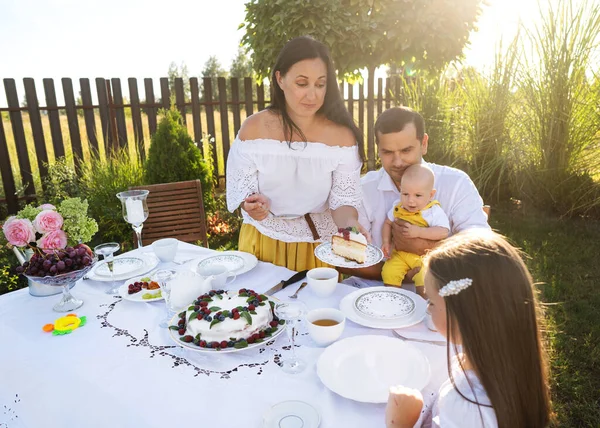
(165, 279)
(107, 252)
(135, 210)
(292, 312)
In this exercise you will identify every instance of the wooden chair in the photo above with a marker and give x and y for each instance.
(176, 211)
(487, 209)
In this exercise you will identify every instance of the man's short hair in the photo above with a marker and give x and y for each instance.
(395, 119)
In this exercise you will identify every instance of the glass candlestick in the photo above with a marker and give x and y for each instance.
(135, 210)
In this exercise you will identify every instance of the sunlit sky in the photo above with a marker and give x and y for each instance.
(140, 38)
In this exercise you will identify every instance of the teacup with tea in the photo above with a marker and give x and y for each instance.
(325, 325)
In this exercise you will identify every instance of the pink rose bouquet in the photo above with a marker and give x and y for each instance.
(49, 227)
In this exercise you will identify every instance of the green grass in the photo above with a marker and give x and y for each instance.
(564, 260)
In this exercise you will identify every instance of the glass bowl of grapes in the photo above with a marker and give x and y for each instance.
(61, 268)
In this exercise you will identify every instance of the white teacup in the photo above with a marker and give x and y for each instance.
(218, 275)
(329, 325)
(165, 249)
(322, 281)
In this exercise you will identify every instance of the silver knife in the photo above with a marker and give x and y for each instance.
(280, 286)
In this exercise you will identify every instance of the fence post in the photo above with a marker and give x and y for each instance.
(88, 114)
(74, 134)
(210, 119)
(16, 121)
(33, 108)
(55, 129)
(196, 115)
(8, 181)
(136, 118)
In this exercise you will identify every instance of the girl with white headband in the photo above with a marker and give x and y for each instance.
(483, 300)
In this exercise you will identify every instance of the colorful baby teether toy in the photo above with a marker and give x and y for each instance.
(65, 325)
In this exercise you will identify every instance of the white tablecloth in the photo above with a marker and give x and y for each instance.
(121, 369)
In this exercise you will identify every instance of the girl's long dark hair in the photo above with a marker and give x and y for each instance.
(497, 321)
(299, 49)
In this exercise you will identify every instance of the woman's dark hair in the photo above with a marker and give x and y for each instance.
(299, 49)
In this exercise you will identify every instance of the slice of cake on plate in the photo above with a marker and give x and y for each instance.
(350, 244)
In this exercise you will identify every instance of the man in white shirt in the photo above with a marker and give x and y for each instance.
(402, 141)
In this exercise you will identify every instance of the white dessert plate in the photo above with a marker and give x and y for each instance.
(362, 368)
(237, 262)
(150, 261)
(121, 266)
(292, 414)
(323, 252)
(137, 297)
(174, 335)
(384, 304)
(348, 307)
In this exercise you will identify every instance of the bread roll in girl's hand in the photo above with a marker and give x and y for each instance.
(403, 408)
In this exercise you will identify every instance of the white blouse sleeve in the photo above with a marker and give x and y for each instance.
(453, 411)
(242, 176)
(345, 186)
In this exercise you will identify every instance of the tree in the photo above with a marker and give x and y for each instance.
(213, 69)
(181, 71)
(422, 34)
(173, 156)
(363, 33)
(241, 67)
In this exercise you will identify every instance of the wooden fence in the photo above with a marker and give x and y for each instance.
(111, 109)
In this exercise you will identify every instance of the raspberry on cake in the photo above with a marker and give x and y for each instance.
(350, 244)
(227, 319)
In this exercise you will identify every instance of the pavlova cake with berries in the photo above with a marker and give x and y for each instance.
(227, 319)
(350, 244)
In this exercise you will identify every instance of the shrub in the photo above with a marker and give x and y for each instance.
(100, 182)
(61, 183)
(173, 156)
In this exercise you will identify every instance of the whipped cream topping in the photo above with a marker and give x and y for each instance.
(229, 329)
(357, 237)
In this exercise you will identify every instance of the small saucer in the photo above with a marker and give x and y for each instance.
(292, 414)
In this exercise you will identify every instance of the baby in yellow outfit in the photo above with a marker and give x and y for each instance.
(427, 220)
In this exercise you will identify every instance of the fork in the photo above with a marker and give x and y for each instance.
(295, 295)
(430, 342)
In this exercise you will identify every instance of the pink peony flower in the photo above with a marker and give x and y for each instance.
(47, 207)
(19, 231)
(48, 221)
(56, 239)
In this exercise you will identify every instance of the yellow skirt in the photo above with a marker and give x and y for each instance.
(292, 255)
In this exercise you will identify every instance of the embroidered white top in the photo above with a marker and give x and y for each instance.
(298, 178)
(456, 193)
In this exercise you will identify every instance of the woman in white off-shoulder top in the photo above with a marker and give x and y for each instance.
(482, 298)
(302, 155)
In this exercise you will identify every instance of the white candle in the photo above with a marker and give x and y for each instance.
(135, 211)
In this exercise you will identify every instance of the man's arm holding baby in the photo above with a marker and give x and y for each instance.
(432, 233)
(411, 245)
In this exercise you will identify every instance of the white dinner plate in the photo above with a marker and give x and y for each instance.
(292, 414)
(237, 262)
(348, 307)
(363, 368)
(323, 252)
(150, 261)
(384, 304)
(121, 266)
(137, 297)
